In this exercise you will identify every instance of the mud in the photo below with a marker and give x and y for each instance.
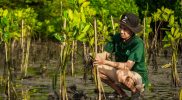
(38, 84)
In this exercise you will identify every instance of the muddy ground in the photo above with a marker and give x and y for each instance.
(38, 85)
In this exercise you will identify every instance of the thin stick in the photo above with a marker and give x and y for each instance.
(97, 77)
(113, 27)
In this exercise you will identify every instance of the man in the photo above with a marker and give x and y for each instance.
(129, 68)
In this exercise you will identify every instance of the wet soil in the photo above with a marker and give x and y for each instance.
(38, 85)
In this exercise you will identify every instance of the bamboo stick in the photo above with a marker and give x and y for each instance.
(97, 77)
(113, 27)
(22, 46)
(72, 58)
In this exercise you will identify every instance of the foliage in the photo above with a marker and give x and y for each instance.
(79, 20)
(163, 14)
(11, 20)
(50, 14)
(108, 7)
(151, 5)
(64, 55)
(66, 20)
(9, 25)
(171, 39)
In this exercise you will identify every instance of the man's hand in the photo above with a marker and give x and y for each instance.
(99, 60)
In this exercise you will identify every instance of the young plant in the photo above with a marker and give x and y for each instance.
(8, 31)
(146, 31)
(27, 21)
(172, 40)
(161, 16)
(65, 51)
(64, 55)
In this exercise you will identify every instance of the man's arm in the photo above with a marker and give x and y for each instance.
(104, 55)
(120, 65)
(101, 58)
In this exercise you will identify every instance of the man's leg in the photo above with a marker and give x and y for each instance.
(128, 79)
(108, 75)
(112, 84)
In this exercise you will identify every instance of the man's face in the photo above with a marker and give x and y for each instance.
(125, 32)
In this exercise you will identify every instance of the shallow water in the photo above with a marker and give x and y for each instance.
(39, 86)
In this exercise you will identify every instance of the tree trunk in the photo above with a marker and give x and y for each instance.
(22, 47)
(27, 55)
(96, 72)
(153, 48)
(174, 72)
(72, 58)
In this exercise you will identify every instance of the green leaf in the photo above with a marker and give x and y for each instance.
(83, 17)
(4, 21)
(176, 31)
(165, 17)
(81, 37)
(172, 30)
(170, 37)
(39, 24)
(47, 21)
(165, 39)
(167, 45)
(168, 11)
(162, 8)
(1, 12)
(171, 20)
(19, 13)
(81, 1)
(65, 14)
(100, 24)
(6, 36)
(58, 37)
(5, 13)
(75, 32)
(51, 28)
(70, 14)
(156, 17)
(91, 42)
(76, 18)
(85, 4)
(15, 35)
(86, 28)
(159, 10)
(178, 35)
(92, 12)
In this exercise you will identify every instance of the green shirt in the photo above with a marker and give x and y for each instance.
(132, 49)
